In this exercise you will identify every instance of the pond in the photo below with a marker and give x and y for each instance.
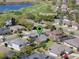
(11, 7)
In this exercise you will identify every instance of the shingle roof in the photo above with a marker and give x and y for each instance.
(4, 30)
(57, 49)
(66, 37)
(17, 42)
(66, 21)
(42, 38)
(38, 56)
(77, 1)
(74, 42)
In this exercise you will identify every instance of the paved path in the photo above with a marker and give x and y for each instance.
(75, 55)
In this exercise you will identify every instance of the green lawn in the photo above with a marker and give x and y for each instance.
(43, 7)
(50, 43)
(2, 54)
(35, 10)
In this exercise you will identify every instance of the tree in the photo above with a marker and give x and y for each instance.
(53, 28)
(30, 40)
(30, 16)
(24, 22)
(72, 4)
(19, 35)
(43, 44)
(13, 21)
(29, 26)
(27, 50)
(14, 57)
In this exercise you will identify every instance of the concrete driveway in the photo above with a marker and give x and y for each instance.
(74, 55)
(4, 49)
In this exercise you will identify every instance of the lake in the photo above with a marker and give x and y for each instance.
(11, 7)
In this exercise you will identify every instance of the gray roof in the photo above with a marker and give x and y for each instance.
(4, 30)
(42, 37)
(38, 56)
(57, 49)
(17, 42)
(74, 42)
(66, 21)
(63, 38)
(33, 35)
(77, 1)
(57, 20)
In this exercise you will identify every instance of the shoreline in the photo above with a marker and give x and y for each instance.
(2, 12)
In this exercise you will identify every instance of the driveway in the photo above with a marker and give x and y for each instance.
(4, 49)
(75, 56)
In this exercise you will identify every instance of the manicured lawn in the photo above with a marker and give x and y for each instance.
(50, 43)
(2, 55)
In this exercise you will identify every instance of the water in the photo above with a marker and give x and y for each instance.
(12, 7)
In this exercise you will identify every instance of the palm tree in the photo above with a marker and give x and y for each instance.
(27, 50)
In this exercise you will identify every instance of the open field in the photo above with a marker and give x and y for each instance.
(36, 9)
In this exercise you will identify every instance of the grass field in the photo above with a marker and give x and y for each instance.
(36, 9)
(43, 7)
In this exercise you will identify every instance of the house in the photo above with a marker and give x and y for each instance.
(57, 49)
(8, 23)
(72, 25)
(66, 21)
(16, 44)
(64, 7)
(75, 25)
(33, 34)
(65, 37)
(4, 31)
(30, 34)
(54, 35)
(77, 2)
(17, 28)
(73, 43)
(57, 21)
(41, 38)
(38, 56)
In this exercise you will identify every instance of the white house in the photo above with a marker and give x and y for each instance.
(16, 44)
